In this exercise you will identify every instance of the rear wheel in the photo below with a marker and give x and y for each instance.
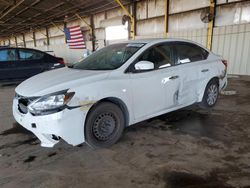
(104, 125)
(211, 94)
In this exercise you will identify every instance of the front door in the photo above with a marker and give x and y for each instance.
(156, 90)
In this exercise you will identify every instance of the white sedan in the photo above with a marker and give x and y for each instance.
(122, 84)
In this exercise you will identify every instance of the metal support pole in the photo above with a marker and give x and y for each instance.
(57, 26)
(88, 25)
(166, 17)
(16, 41)
(91, 28)
(64, 26)
(211, 24)
(34, 38)
(134, 15)
(24, 42)
(47, 36)
(131, 17)
(93, 32)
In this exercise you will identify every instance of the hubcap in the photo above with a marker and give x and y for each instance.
(212, 94)
(104, 126)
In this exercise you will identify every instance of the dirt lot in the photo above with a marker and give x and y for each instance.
(187, 148)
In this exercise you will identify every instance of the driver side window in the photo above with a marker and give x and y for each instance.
(161, 55)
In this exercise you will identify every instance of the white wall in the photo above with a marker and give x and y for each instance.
(233, 42)
(231, 37)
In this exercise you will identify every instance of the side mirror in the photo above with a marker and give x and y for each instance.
(187, 60)
(87, 53)
(144, 65)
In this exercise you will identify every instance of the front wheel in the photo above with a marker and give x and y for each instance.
(211, 94)
(104, 125)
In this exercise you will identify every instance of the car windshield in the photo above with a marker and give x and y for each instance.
(109, 58)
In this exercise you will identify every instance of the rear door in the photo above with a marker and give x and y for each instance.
(190, 58)
(8, 58)
(29, 63)
(52, 62)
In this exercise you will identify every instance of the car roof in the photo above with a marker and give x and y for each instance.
(8, 47)
(159, 40)
(156, 40)
(22, 48)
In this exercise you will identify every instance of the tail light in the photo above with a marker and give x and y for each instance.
(224, 62)
(61, 61)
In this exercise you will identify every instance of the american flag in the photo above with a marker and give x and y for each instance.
(74, 37)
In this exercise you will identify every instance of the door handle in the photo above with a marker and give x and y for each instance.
(204, 70)
(174, 77)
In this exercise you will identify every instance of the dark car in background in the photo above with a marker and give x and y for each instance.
(22, 63)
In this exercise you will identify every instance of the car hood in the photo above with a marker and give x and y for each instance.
(57, 80)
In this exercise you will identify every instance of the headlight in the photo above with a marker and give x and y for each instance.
(50, 103)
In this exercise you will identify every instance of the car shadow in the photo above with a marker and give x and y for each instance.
(190, 120)
(10, 83)
(17, 129)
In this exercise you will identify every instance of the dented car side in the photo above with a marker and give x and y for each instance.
(140, 95)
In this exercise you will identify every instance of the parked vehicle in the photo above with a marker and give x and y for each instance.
(22, 63)
(122, 84)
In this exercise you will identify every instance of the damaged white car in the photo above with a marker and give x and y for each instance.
(95, 99)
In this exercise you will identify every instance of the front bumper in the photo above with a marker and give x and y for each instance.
(67, 124)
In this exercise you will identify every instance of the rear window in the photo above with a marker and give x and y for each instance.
(187, 52)
(30, 54)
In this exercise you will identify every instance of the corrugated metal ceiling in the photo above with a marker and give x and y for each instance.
(17, 16)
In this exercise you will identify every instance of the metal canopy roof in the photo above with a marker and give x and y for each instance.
(18, 16)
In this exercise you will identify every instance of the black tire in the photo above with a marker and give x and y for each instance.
(211, 94)
(104, 125)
